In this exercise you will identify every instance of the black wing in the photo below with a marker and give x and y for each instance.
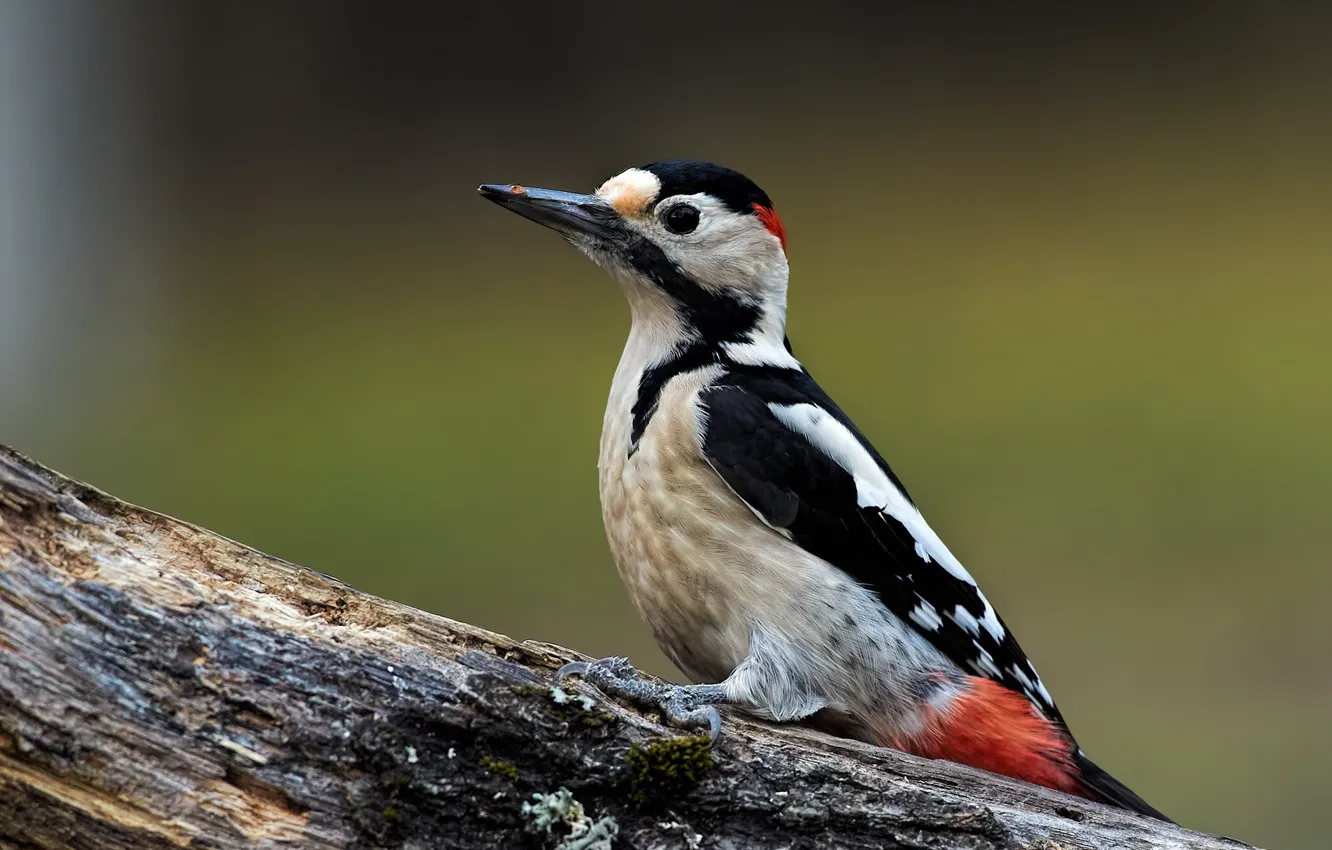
(806, 481)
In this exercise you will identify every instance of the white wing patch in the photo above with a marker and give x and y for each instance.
(875, 489)
(984, 663)
(1031, 684)
(925, 616)
(1045, 695)
(760, 354)
(965, 619)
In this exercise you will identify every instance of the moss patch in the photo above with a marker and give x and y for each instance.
(663, 771)
(500, 768)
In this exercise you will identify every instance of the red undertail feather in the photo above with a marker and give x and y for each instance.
(768, 216)
(997, 729)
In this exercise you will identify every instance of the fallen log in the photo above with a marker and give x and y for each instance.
(162, 687)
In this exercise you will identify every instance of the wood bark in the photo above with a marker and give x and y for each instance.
(164, 687)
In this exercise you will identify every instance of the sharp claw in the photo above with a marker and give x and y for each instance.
(714, 724)
(573, 668)
(680, 712)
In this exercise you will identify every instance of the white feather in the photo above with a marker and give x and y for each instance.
(925, 616)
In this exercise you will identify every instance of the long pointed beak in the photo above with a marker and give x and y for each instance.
(570, 214)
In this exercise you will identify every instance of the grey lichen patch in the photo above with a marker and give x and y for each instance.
(666, 770)
(560, 696)
(505, 769)
(599, 836)
(578, 710)
(548, 810)
(559, 813)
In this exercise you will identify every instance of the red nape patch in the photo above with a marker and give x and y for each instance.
(768, 216)
(996, 729)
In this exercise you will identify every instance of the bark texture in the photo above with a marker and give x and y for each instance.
(164, 687)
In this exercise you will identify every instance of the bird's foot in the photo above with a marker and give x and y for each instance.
(683, 706)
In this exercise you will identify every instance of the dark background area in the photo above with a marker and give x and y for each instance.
(1069, 268)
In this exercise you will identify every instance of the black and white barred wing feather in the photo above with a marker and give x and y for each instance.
(800, 464)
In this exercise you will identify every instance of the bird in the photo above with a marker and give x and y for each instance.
(778, 560)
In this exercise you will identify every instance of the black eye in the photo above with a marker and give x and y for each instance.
(681, 218)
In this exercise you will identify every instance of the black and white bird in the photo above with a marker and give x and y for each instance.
(778, 560)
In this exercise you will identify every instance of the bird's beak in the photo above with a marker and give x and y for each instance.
(565, 212)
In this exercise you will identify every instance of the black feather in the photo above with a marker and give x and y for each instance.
(1105, 788)
(654, 379)
(689, 177)
(714, 317)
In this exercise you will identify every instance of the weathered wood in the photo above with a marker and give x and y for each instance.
(164, 687)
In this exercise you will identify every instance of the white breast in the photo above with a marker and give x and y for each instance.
(666, 517)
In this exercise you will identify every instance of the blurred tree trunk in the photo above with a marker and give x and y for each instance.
(79, 196)
(161, 686)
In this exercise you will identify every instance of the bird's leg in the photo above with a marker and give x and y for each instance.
(683, 706)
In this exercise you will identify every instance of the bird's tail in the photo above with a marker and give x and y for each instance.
(997, 729)
(1101, 786)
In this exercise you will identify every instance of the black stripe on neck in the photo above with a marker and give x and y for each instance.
(696, 356)
(714, 316)
(711, 319)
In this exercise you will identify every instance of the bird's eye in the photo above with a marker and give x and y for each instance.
(681, 218)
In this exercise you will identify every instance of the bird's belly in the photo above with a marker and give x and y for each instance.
(686, 557)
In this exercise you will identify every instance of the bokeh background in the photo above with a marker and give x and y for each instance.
(1068, 265)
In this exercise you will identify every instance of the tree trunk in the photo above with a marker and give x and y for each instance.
(162, 687)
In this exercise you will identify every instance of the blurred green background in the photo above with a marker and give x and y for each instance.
(1069, 267)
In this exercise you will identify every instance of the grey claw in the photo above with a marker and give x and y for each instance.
(680, 715)
(682, 706)
(573, 668)
(714, 724)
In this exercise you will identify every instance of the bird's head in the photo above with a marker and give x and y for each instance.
(692, 243)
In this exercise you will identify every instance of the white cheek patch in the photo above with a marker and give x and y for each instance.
(630, 192)
(730, 251)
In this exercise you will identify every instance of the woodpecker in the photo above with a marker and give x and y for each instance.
(778, 560)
